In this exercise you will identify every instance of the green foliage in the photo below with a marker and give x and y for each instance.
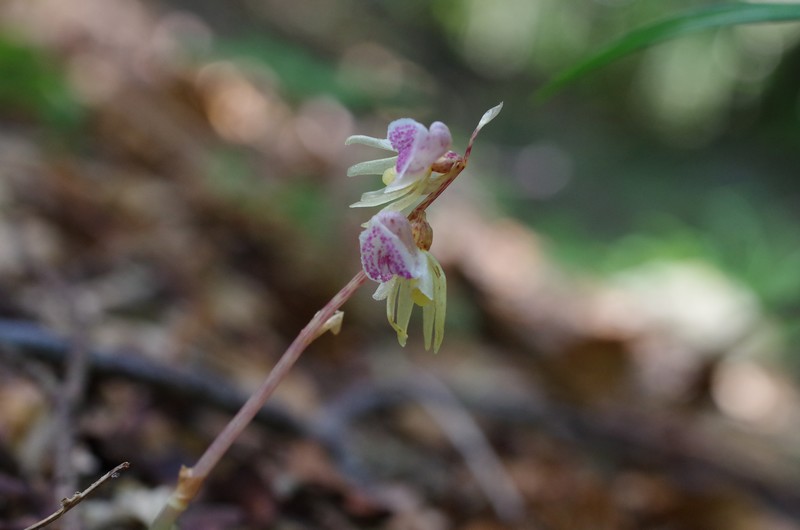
(299, 73)
(31, 84)
(758, 245)
(677, 26)
(761, 246)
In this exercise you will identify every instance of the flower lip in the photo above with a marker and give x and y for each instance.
(388, 248)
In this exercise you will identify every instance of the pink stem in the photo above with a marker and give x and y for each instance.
(287, 360)
(191, 479)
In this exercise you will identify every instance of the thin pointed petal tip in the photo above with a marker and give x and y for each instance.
(489, 115)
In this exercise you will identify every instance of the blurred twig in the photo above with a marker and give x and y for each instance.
(632, 438)
(69, 503)
(70, 401)
(465, 435)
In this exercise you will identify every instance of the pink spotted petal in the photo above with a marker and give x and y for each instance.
(488, 116)
(404, 134)
(388, 248)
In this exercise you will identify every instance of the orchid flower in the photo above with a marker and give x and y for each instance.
(406, 175)
(407, 274)
(423, 158)
(394, 248)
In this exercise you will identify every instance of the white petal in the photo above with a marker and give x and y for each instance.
(411, 197)
(378, 197)
(405, 304)
(439, 302)
(380, 143)
(372, 167)
(433, 314)
(425, 280)
(404, 181)
(428, 321)
(383, 289)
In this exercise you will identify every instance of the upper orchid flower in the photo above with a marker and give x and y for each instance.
(423, 159)
(406, 175)
(417, 149)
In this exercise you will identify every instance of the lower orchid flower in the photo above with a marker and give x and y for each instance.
(408, 274)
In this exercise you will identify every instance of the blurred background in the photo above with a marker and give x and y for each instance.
(623, 266)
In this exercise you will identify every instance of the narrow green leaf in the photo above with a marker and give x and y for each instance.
(682, 24)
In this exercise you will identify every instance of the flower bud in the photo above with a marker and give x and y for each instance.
(422, 231)
(445, 162)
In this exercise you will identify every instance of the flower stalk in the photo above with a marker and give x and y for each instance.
(190, 480)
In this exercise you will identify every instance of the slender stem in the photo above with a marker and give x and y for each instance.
(276, 375)
(191, 479)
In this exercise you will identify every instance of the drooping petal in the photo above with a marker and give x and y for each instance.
(405, 303)
(433, 314)
(428, 318)
(391, 302)
(439, 302)
(384, 289)
(426, 279)
(388, 248)
(372, 167)
(380, 143)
